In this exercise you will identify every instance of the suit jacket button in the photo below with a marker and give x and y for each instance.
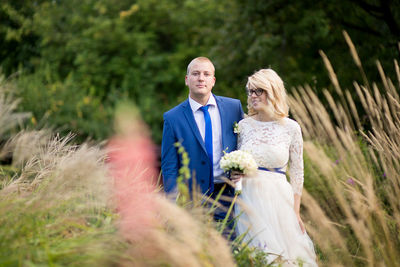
(202, 181)
(203, 162)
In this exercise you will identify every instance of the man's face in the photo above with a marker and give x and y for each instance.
(200, 79)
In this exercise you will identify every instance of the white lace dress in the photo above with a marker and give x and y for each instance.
(266, 209)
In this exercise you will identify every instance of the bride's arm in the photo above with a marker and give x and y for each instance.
(297, 200)
(297, 170)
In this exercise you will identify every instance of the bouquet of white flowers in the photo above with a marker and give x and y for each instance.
(238, 160)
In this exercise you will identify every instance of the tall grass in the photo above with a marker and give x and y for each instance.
(88, 205)
(353, 163)
(161, 233)
(9, 118)
(54, 209)
(85, 205)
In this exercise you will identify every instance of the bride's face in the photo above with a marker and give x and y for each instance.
(258, 99)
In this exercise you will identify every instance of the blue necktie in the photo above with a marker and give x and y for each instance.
(208, 136)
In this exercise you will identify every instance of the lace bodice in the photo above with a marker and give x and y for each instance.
(275, 144)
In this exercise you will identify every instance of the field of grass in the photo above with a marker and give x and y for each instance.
(63, 204)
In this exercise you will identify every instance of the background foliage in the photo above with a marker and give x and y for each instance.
(71, 62)
(75, 60)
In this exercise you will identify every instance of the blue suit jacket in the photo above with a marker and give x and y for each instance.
(180, 126)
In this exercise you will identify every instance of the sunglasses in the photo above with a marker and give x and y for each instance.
(257, 91)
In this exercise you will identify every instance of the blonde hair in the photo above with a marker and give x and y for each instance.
(199, 59)
(272, 84)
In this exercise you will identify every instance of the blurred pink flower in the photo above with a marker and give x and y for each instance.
(132, 163)
(350, 181)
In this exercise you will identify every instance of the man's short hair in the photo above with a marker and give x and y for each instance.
(201, 59)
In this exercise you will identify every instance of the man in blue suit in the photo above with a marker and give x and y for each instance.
(203, 124)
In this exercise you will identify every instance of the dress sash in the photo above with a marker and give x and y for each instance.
(278, 170)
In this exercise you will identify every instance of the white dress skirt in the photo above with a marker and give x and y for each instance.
(265, 208)
(266, 212)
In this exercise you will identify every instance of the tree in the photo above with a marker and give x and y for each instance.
(287, 35)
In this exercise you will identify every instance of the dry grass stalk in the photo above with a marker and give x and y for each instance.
(160, 233)
(362, 180)
(9, 118)
(56, 172)
(356, 58)
(179, 240)
(65, 186)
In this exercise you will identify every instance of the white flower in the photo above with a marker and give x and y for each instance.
(238, 160)
(236, 128)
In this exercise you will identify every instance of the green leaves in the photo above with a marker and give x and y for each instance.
(112, 50)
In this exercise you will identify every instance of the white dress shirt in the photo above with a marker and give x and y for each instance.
(216, 129)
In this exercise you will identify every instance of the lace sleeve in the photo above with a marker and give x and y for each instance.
(239, 135)
(296, 165)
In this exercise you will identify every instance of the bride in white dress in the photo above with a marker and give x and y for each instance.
(269, 210)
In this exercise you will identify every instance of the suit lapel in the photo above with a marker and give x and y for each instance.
(187, 111)
(222, 111)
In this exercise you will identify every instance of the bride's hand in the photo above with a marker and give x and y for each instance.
(303, 229)
(236, 176)
(297, 198)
